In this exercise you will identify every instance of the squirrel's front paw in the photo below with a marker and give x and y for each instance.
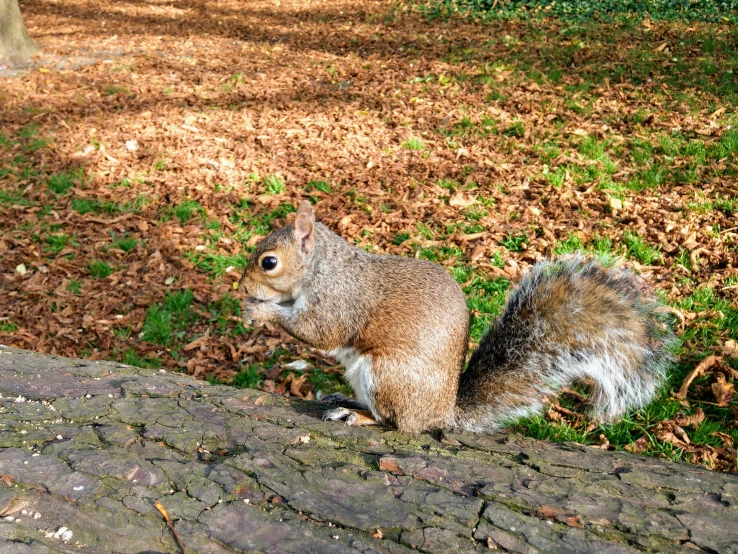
(259, 310)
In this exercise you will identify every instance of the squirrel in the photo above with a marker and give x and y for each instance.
(400, 326)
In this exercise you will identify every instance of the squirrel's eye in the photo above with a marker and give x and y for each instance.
(268, 263)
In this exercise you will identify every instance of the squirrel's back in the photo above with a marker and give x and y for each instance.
(568, 320)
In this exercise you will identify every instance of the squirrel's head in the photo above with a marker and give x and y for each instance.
(277, 267)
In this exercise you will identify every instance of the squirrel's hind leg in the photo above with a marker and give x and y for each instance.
(351, 417)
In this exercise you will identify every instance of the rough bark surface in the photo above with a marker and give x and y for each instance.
(16, 45)
(89, 447)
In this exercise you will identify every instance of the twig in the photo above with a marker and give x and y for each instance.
(697, 371)
(163, 511)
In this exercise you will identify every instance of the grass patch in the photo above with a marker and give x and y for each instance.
(186, 210)
(222, 312)
(638, 249)
(485, 298)
(8, 327)
(399, 238)
(322, 186)
(57, 243)
(87, 205)
(74, 286)
(274, 184)
(515, 242)
(62, 182)
(166, 323)
(413, 143)
(132, 358)
(125, 243)
(250, 377)
(583, 11)
(215, 265)
(99, 269)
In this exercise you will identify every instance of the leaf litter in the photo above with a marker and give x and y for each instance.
(194, 130)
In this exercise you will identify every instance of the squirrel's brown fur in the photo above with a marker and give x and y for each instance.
(401, 325)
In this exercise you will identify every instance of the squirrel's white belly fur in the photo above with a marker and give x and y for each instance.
(359, 375)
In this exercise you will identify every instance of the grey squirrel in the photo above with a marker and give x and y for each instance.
(400, 326)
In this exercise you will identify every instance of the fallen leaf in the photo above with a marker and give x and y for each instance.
(299, 365)
(296, 384)
(730, 348)
(727, 439)
(604, 443)
(197, 343)
(303, 439)
(722, 390)
(640, 445)
(574, 521)
(549, 512)
(703, 366)
(458, 200)
(390, 465)
(693, 420)
(478, 252)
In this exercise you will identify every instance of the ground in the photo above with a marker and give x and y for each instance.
(154, 143)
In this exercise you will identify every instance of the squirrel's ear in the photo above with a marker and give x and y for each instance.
(304, 233)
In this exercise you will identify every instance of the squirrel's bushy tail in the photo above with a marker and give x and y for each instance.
(568, 320)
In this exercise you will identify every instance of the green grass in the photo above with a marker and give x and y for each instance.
(638, 249)
(166, 323)
(8, 327)
(215, 265)
(569, 246)
(57, 243)
(221, 315)
(322, 186)
(581, 11)
(250, 377)
(87, 205)
(599, 247)
(99, 269)
(516, 129)
(13, 197)
(125, 243)
(414, 143)
(112, 90)
(62, 182)
(186, 210)
(274, 184)
(555, 177)
(715, 316)
(30, 140)
(399, 238)
(514, 242)
(74, 286)
(132, 358)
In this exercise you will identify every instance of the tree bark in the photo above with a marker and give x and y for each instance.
(16, 45)
(94, 454)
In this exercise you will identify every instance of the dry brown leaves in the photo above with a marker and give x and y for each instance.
(186, 100)
(718, 382)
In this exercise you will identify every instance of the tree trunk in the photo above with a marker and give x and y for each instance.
(16, 45)
(94, 454)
